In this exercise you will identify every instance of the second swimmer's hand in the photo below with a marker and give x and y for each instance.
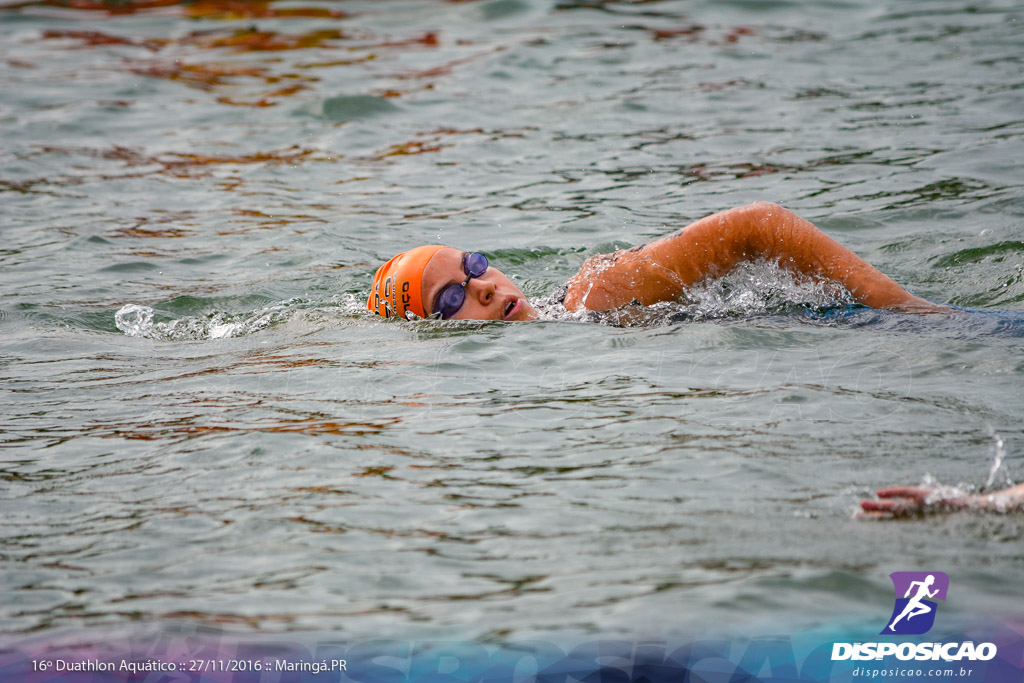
(906, 501)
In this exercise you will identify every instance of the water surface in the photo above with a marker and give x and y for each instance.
(202, 425)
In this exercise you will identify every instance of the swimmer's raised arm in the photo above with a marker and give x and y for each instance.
(905, 501)
(661, 270)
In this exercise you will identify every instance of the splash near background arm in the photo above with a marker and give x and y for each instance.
(905, 501)
(712, 246)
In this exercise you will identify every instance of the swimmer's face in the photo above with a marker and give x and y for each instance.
(492, 296)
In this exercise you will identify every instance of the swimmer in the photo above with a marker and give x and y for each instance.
(442, 282)
(435, 281)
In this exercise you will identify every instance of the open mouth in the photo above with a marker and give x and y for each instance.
(510, 307)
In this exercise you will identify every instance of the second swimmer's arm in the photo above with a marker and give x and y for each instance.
(712, 246)
(903, 501)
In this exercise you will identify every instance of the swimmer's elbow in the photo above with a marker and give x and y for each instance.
(765, 208)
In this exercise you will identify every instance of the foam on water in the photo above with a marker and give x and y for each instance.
(761, 288)
(137, 321)
(752, 289)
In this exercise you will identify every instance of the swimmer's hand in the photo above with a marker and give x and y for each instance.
(907, 501)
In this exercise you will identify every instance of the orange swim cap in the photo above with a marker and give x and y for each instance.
(397, 284)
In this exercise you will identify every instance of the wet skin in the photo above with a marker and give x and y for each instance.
(492, 296)
(661, 270)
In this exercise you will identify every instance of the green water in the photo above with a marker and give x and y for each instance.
(202, 425)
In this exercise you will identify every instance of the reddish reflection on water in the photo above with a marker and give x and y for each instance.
(200, 9)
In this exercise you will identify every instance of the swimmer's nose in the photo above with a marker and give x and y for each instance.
(483, 290)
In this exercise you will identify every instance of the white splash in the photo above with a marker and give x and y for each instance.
(997, 461)
(751, 289)
(134, 320)
(761, 288)
(137, 321)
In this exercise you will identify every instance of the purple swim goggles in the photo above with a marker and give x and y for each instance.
(449, 301)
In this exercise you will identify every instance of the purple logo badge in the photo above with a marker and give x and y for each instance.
(914, 612)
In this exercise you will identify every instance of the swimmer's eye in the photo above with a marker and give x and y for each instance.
(451, 298)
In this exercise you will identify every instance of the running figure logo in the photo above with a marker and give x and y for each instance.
(914, 613)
